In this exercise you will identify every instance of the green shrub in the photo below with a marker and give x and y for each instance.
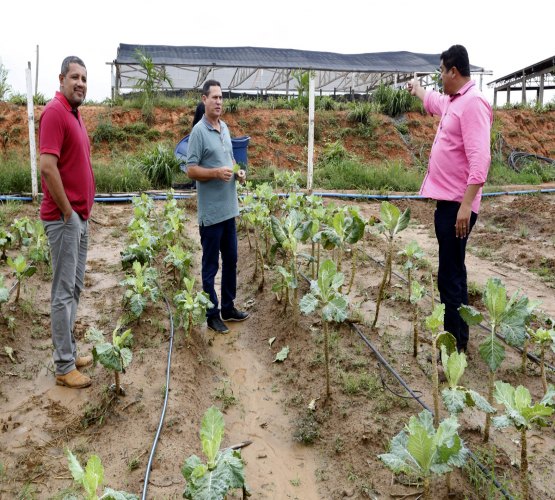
(160, 165)
(15, 175)
(392, 101)
(106, 132)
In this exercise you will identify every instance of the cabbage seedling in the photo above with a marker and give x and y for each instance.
(544, 338)
(191, 307)
(422, 451)
(6, 241)
(521, 413)
(324, 294)
(115, 356)
(21, 270)
(224, 469)
(91, 478)
(141, 287)
(392, 222)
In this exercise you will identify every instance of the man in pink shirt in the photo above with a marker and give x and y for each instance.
(457, 169)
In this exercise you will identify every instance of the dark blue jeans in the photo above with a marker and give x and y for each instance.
(220, 238)
(451, 280)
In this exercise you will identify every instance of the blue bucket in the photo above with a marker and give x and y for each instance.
(240, 145)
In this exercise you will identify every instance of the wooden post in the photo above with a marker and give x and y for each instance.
(542, 84)
(37, 73)
(523, 89)
(310, 133)
(31, 121)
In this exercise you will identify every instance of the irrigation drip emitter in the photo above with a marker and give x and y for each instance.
(164, 406)
(414, 395)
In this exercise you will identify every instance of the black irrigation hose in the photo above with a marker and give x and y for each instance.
(531, 357)
(382, 360)
(515, 156)
(155, 443)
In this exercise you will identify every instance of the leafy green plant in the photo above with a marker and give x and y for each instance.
(115, 356)
(324, 295)
(159, 165)
(543, 338)
(224, 469)
(421, 451)
(179, 261)
(522, 413)
(456, 397)
(413, 254)
(346, 228)
(21, 270)
(286, 281)
(440, 339)
(393, 101)
(191, 306)
(6, 241)
(23, 229)
(141, 288)
(39, 249)
(91, 478)
(392, 222)
(506, 316)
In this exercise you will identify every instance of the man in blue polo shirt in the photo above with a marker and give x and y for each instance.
(210, 162)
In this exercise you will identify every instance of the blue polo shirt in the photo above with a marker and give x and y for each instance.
(208, 148)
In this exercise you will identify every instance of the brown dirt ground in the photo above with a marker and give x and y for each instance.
(38, 419)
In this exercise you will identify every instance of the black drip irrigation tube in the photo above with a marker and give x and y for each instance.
(161, 423)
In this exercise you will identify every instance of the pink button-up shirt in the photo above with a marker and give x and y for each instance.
(460, 153)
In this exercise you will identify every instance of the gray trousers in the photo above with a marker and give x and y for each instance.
(68, 246)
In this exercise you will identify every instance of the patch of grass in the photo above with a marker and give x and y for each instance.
(15, 174)
(225, 395)
(351, 174)
(120, 177)
(306, 428)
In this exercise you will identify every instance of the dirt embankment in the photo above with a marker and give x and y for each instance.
(278, 137)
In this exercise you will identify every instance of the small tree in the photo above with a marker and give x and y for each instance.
(224, 469)
(150, 84)
(422, 451)
(115, 356)
(324, 294)
(191, 306)
(392, 223)
(521, 413)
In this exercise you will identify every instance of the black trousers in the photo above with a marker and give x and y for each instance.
(451, 281)
(220, 238)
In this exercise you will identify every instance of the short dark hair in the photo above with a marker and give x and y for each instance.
(71, 60)
(208, 84)
(456, 56)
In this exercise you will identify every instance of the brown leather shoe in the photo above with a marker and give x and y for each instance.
(73, 379)
(83, 361)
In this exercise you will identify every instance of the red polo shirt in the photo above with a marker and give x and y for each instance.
(63, 134)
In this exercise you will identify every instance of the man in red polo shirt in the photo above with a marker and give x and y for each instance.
(457, 169)
(68, 185)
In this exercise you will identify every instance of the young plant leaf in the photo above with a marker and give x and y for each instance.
(282, 355)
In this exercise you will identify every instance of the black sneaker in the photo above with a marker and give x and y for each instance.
(235, 315)
(216, 324)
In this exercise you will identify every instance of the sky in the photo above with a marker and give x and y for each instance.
(498, 38)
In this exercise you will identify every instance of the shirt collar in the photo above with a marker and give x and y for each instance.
(208, 124)
(464, 89)
(62, 98)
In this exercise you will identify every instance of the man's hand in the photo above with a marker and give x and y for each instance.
(224, 173)
(414, 88)
(462, 226)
